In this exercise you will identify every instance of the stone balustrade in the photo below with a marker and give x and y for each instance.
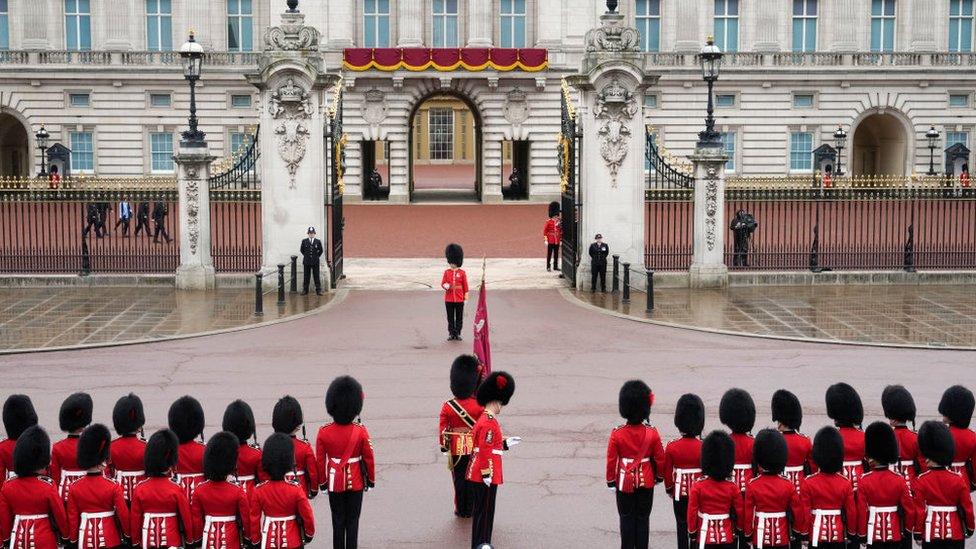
(122, 58)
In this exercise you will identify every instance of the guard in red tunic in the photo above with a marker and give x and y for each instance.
(346, 461)
(845, 408)
(485, 469)
(899, 408)
(18, 416)
(455, 285)
(186, 420)
(74, 416)
(288, 418)
(885, 511)
(737, 411)
(788, 415)
(827, 497)
(98, 516)
(715, 502)
(956, 408)
(31, 511)
(239, 420)
(682, 460)
(160, 517)
(771, 503)
(635, 461)
(457, 418)
(128, 451)
(221, 516)
(281, 517)
(943, 508)
(552, 232)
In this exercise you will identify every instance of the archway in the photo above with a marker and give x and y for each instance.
(445, 149)
(880, 146)
(14, 147)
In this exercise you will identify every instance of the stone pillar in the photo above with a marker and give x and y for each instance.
(767, 16)
(688, 35)
(708, 268)
(925, 16)
(35, 25)
(116, 25)
(410, 23)
(479, 22)
(845, 15)
(196, 270)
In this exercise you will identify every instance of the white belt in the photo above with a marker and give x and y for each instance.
(679, 475)
(129, 474)
(181, 476)
(496, 452)
(11, 475)
(148, 518)
(65, 482)
(83, 528)
(708, 520)
(208, 523)
(873, 513)
(819, 515)
(624, 462)
(761, 519)
(350, 460)
(337, 461)
(245, 478)
(930, 511)
(266, 526)
(16, 526)
(742, 467)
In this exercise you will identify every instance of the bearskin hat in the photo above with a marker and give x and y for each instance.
(689, 415)
(162, 451)
(18, 415)
(287, 415)
(717, 455)
(128, 415)
(186, 418)
(737, 411)
(32, 452)
(828, 450)
(554, 208)
(635, 401)
(239, 419)
(220, 457)
(936, 443)
(454, 254)
(769, 451)
(787, 410)
(844, 405)
(880, 443)
(498, 386)
(278, 456)
(898, 403)
(76, 412)
(93, 446)
(957, 406)
(344, 399)
(464, 376)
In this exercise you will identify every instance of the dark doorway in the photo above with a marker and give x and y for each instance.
(14, 148)
(445, 150)
(515, 170)
(376, 156)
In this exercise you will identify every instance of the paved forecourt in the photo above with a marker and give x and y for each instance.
(568, 363)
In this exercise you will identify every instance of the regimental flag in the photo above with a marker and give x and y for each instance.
(482, 345)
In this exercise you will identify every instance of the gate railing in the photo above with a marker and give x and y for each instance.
(240, 170)
(235, 230)
(568, 154)
(663, 170)
(335, 187)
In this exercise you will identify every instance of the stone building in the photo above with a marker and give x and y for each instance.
(102, 78)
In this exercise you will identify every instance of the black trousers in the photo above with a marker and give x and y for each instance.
(635, 517)
(483, 512)
(961, 544)
(681, 522)
(455, 317)
(142, 224)
(161, 228)
(88, 228)
(345, 507)
(124, 221)
(462, 488)
(598, 271)
(552, 254)
(311, 270)
(889, 545)
(835, 545)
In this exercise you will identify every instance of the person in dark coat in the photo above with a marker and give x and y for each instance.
(91, 220)
(103, 208)
(142, 218)
(599, 251)
(742, 227)
(159, 213)
(312, 251)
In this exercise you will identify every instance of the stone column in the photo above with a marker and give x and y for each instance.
(480, 18)
(843, 22)
(116, 25)
(767, 27)
(35, 25)
(196, 270)
(688, 34)
(708, 268)
(410, 23)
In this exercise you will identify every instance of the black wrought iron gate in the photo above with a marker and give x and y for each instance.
(570, 136)
(336, 144)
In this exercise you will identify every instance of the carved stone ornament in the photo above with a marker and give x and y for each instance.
(292, 35)
(711, 205)
(612, 35)
(615, 108)
(516, 109)
(290, 104)
(374, 107)
(193, 209)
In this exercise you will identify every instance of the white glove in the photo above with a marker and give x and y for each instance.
(487, 481)
(513, 441)
(446, 286)
(613, 489)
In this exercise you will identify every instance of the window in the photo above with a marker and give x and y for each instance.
(4, 26)
(79, 100)
(161, 152)
(445, 27)
(240, 32)
(959, 100)
(727, 25)
(961, 25)
(957, 137)
(801, 151)
(376, 23)
(650, 101)
(725, 100)
(512, 32)
(77, 25)
(160, 100)
(728, 144)
(648, 17)
(440, 125)
(882, 25)
(240, 101)
(239, 142)
(803, 100)
(804, 25)
(82, 151)
(159, 25)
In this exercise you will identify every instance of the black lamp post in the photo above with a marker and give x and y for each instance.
(192, 55)
(292, 6)
(42, 138)
(933, 137)
(711, 62)
(840, 140)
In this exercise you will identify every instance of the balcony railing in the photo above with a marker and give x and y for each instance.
(736, 60)
(121, 58)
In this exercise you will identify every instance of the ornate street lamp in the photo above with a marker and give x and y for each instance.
(42, 138)
(840, 140)
(933, 137)
(711, 62)
(192, 54)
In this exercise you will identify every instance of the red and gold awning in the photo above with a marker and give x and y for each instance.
(446, 59)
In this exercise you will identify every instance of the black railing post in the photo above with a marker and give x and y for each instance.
(626, 282)
(650, 289)
(281, 284)
(616, 274)
(258, 294)
(293, 285)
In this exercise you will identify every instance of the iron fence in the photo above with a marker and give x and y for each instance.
(669, 229)
(235, 230)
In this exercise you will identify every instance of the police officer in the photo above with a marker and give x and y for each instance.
(311, 255)
(598, 263)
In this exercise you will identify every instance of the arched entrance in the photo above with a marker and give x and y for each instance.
(880, 146)
(14, 147)
(445, 149)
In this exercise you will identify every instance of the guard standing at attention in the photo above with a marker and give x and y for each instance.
(74, 416)
(312, 251)
(281, 517)
(715, 502)
(943, 508)
(956, 408)
(885, 511)
(18, 416)
(186, 420)
(771, 506)
(160, 516)
(288, 418)
(239, 420)
(899, 408)
(788, 415)
(32, 513)
(128, 451)
(682, 460)
(457, 418)
(98, 516)
(737, 411)
(845, 408)
(455, 285)
(221, 515)
(827, 497)
(552, 232)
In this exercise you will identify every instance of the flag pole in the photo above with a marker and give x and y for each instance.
(484, 266)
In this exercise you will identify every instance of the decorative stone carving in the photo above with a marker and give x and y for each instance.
(615, 108)
(292, 34)
(374, 107)
(193, 209)
(612, 35)
(516, 108)
(291, 104)
(711, 205)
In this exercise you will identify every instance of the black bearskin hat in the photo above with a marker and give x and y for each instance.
(737, 411)
(787, 409)
(717, 455)
(287, 415)
(128, 415)
(278, 456)
(220, 457)
(770, 451)
(464, 376)
(898, 403)
(936, 443)
(635, 401)
(76, 412)
(844, 405)
(957, 406)
(554, 208)
(880, 443)
(93, 446)
(828, 450)
(498, 386)
(454, 254)
(689, 415)
(18, 415)
(32, 452)
(186, 418)
(239, 419)
(162, 451)
(344, 399)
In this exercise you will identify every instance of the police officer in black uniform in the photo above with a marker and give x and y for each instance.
(311, 253)
(598, 263)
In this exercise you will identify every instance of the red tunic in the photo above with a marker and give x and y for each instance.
(635, 457)
(799, 458)
(941, 504)
(454, 434)
(682, 466)
(486, 461)
(853, 454)
(962, 463)
(160, 514)
(127, 455)
(306, 471)
(770, 501)
(455, 285)
(345, 457)
(64, 465)
(31, 514)
(829, 513)
(217, 509)
(714, 510)
(553, 230)
(98, 516)
(742, 472)
(6, 459)
(189, 466)
(910, 461)
(884, 506)
(249, 470)
(280, 515)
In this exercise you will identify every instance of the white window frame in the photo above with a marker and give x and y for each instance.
(726, 19)
(511, 19)
(69, 94)
(5, 23)
(242, 18)
(964, 131)
(149, 143)
(969, 99)
(440, 111)
(733, 95)
(958, 21)
(373, 18)
(444, 17)
(883, 18)
(153, 93)
(71, 143)
(789, 151)
(232, 95)
(804, 18)
(646, 20)
(159, 16)
(734, 157)
(814, 103)
(77, 17)
(656, 100)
